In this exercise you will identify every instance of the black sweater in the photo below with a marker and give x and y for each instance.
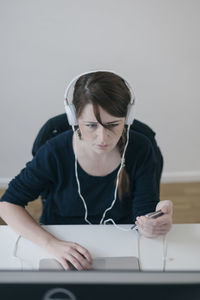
(52, 170)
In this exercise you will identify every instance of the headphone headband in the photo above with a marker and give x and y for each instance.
(70, 108)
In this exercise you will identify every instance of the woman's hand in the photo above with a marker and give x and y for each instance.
(70, 253)
(65, 252)
(160, 226)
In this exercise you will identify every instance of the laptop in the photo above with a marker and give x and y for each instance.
(124, 263)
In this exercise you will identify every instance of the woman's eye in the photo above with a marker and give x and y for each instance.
(91, 125)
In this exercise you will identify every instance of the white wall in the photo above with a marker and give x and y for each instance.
(154, 44)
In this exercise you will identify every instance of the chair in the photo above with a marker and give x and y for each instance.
(59, 123)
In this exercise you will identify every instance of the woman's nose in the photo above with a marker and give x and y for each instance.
(102, 133)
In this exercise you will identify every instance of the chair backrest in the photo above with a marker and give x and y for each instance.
(59, 123)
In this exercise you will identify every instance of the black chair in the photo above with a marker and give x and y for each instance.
(59, 123)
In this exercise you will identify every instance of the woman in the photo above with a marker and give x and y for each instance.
(98, 172)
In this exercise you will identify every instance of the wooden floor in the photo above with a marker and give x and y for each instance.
(186, 200)
(185, 197)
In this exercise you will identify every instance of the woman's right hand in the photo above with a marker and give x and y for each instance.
(65, 252)
(70, 253)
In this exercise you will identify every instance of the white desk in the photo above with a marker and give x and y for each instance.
(182, 246)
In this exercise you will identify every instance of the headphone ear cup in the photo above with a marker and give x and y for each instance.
(130, 114)
(71, 113)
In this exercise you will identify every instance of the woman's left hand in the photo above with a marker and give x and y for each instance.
(159, 226)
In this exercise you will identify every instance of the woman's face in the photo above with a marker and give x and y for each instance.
(98, 138)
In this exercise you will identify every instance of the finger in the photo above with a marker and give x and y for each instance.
(81, 259)
(144, 221)
(154, 226)
(65, 264)
(161, 231)
(157, 228)
(166, 209)
(77, 265)
(139, 223)
(151, 233)
(84, 252)
(140, 219)
(163, 227)
(164, 219)
(163, 222)
(166, 206)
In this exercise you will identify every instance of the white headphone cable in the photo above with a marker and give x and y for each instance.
(14, 254)
(117, 226)
(116, 186)
(164, 251)
(112, 204)
(78, 183)
(138, 249)
(117, 181)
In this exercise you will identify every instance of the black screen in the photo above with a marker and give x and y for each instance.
(100, 291)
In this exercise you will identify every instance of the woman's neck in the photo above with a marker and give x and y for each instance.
(97, 164)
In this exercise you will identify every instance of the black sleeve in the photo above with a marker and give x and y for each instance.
(145, 192)
(147, 131)
(38, 175)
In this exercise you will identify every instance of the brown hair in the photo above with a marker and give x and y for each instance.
(111, 92)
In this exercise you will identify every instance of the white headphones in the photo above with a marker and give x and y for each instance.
(71, 115)
(70, 108)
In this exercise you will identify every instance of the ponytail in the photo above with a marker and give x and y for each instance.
(124, 181)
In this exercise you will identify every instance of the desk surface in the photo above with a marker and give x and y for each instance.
(181, 246)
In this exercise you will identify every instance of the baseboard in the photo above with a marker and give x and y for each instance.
(167, 177)
(173, 177)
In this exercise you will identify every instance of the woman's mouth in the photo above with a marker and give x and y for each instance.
(104, 146)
